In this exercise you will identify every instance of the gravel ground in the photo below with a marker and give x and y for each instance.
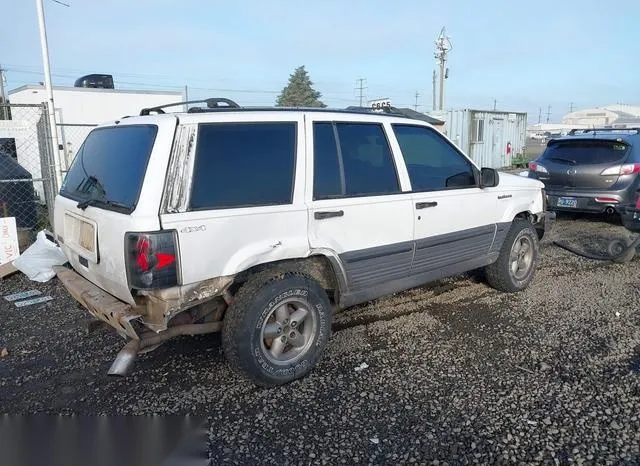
(457, 372)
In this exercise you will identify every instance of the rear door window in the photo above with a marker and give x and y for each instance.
(243, 165)
(110, 166)
(586, 152)
(366, 159)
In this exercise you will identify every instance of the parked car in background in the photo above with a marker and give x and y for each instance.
(258, 222)
(595, 170)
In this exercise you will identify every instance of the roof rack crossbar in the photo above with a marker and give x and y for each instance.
(594, 130)
(212, 103)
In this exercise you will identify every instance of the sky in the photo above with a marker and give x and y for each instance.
(524, 56)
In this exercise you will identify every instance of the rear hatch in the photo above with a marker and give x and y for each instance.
(114, 186)
(580, 163)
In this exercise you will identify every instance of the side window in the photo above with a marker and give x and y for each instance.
(431, 161)
(243, 164)
(477, 135)
(326, 165)
(366, 159)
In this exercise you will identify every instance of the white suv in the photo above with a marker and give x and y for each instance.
(259, 222)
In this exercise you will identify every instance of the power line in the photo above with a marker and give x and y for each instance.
(361, 89)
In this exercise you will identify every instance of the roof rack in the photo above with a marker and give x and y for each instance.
(607, 130)
(212, 104)
(389, 110)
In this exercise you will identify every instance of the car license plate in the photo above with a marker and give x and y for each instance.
(567, 202)
(87, 236)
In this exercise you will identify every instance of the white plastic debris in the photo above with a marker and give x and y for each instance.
(617, 313)
(38, 260)
(361, 367)
(374, 440)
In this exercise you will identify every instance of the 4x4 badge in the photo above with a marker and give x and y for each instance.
(192, 229)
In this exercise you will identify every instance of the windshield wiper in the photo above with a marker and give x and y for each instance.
(82, 205)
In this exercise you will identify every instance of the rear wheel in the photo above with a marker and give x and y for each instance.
(516, 264)
(276, 327)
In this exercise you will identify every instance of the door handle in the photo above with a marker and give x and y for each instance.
(424, 205)
(328, 214)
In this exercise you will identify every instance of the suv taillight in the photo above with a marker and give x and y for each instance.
(638, 201)
(152, 260)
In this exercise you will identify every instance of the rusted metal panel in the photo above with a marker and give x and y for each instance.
(99, 303)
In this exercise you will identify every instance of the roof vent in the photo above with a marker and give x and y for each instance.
(101, 81)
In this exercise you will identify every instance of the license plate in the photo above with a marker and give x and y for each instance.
(86, 236)
(567, 202)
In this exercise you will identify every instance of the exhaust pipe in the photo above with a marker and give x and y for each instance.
(125, 358)
(609, 210)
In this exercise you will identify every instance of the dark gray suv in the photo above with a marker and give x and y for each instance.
(595, 170)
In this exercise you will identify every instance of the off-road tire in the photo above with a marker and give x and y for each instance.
(253, 304)
(499, 274)
(619, 251)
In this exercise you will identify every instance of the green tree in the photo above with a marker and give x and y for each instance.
(299, 91)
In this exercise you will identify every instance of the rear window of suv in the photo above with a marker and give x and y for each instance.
(110, 166)
(586, 152)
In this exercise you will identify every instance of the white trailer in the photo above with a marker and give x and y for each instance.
(491, 138)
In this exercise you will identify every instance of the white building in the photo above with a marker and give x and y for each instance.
(609, 116)
(77, 110)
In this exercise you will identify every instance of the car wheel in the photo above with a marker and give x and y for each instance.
(516, 264)
(276, 327)
(619, 251)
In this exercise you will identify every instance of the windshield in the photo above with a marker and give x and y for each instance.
(109, 168)
(586, 152)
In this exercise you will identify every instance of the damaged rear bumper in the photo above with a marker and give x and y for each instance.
(99, 303)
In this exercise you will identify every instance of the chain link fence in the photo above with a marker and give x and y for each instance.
(27, 168)
(71, 136)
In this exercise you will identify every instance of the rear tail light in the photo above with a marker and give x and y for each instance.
(638, 202)
(626, 169)
(152, 260)
(536, 167)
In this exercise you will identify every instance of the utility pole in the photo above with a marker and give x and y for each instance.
(570, 107)
(548, 113)
(539, 114)
(47, 84)
(434, 90)
(443, 47)
(361, 89)
(495, 102)
(3, 113)
(416, 105)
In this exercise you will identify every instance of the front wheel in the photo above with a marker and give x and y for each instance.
(276, 327)
(516, 264)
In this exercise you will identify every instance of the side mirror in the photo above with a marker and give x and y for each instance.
(489, 178)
